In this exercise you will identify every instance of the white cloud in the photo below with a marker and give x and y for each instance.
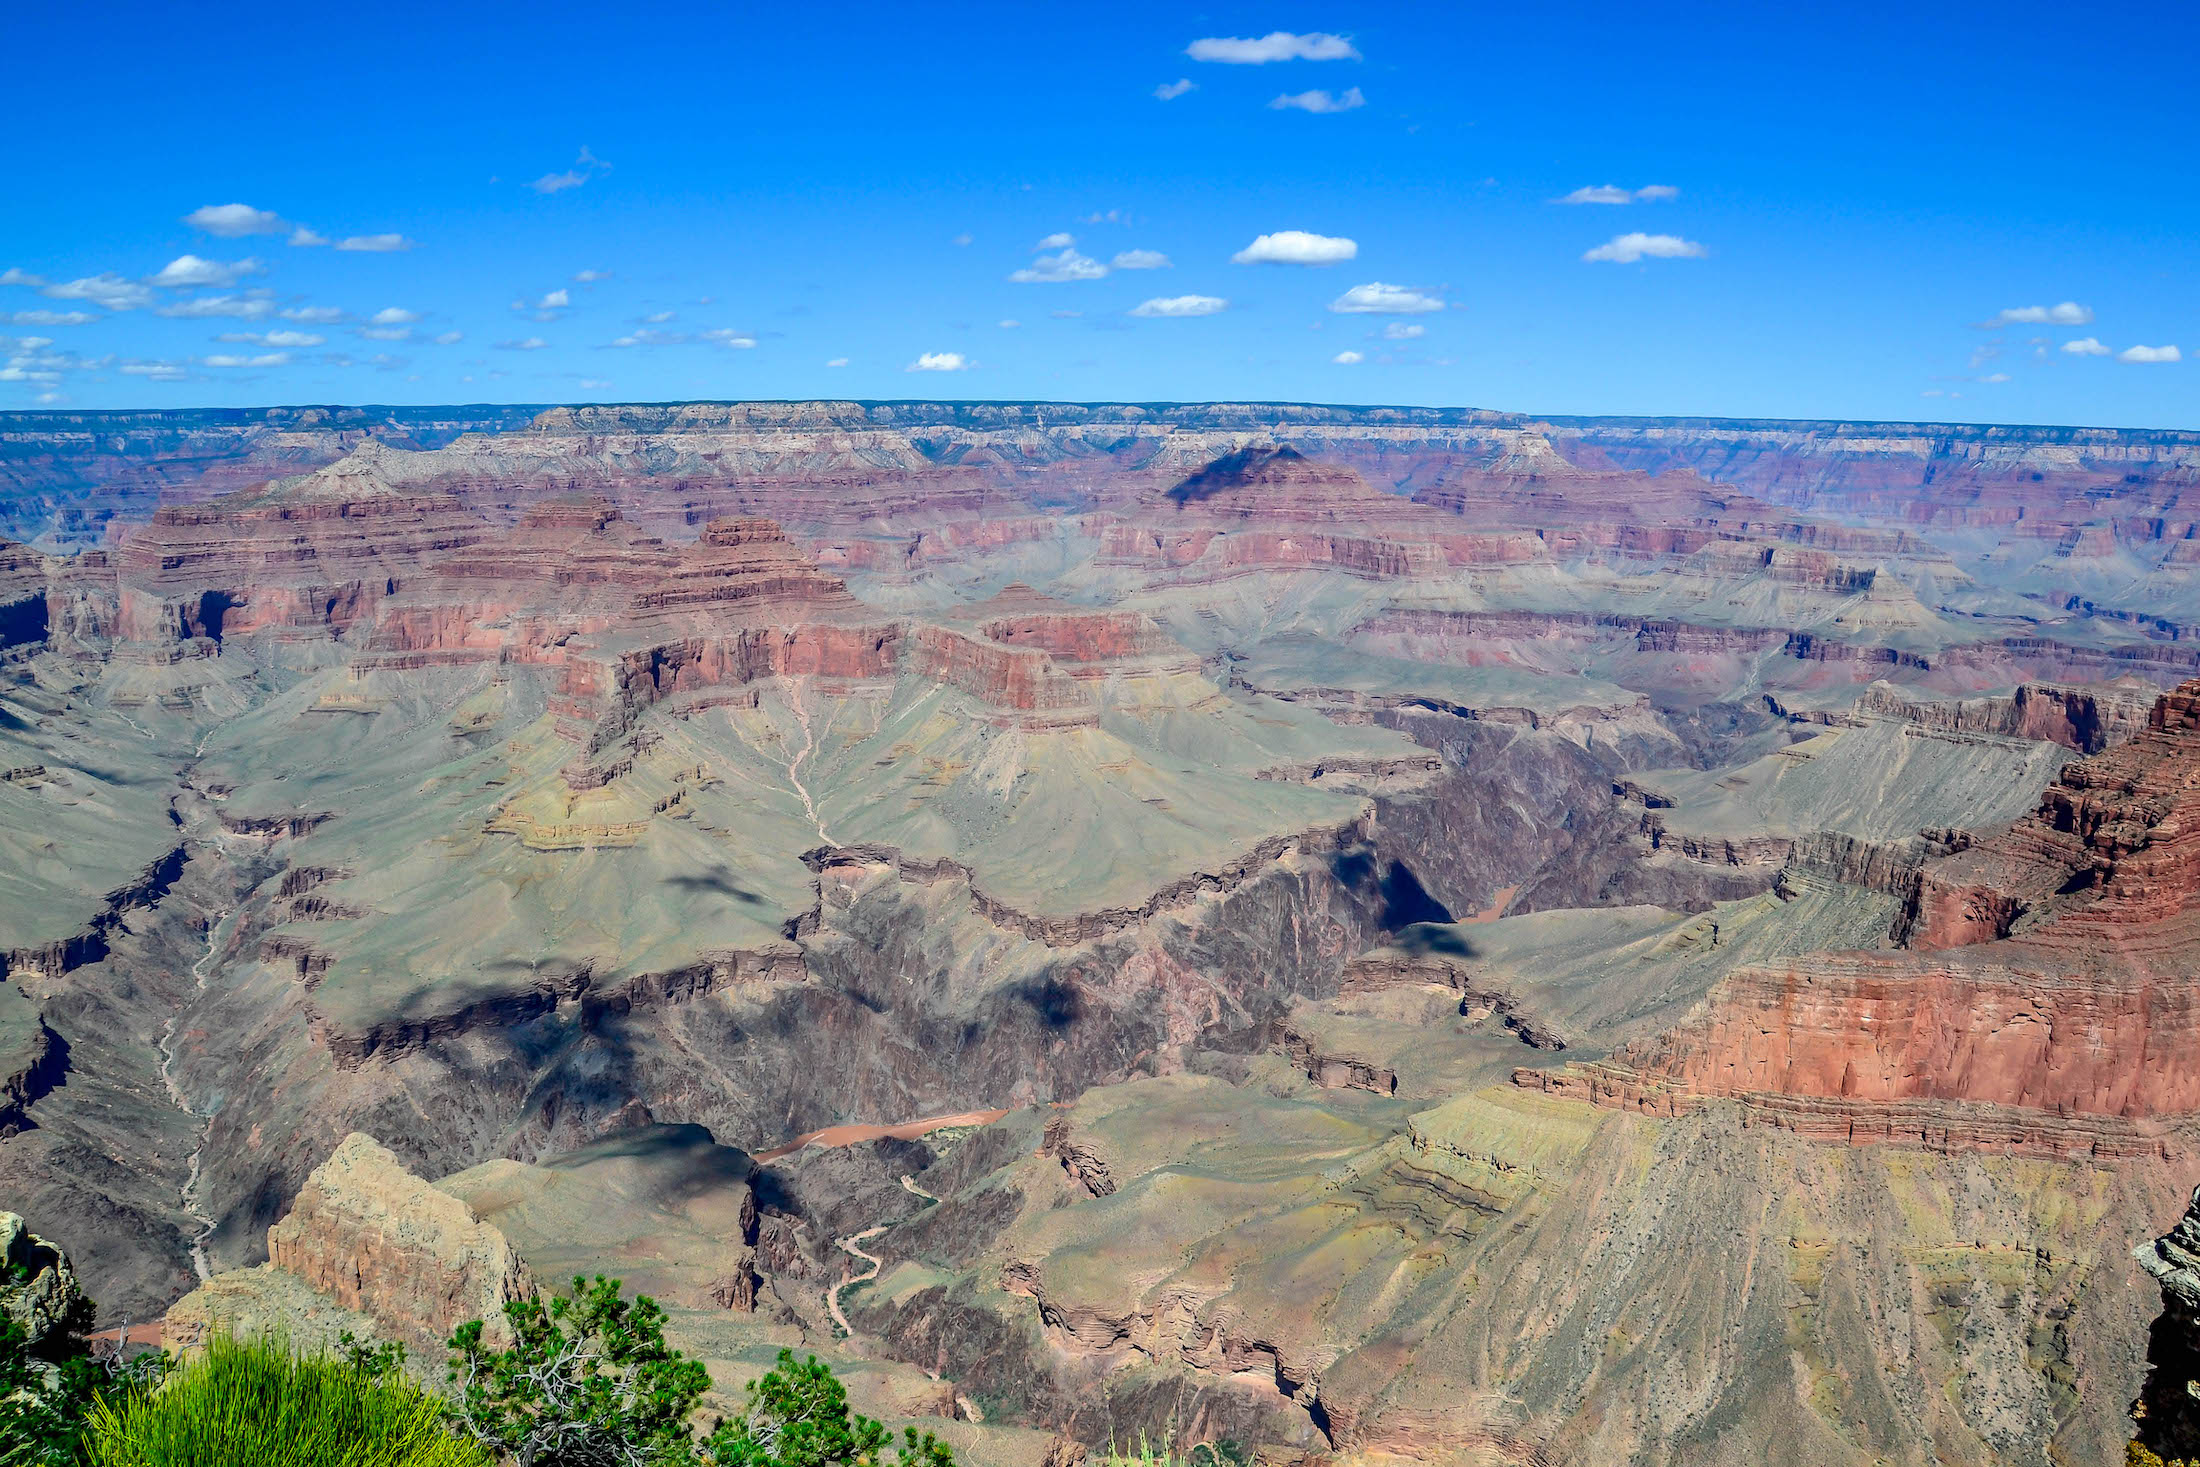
(728, 337)
(107, 290)
(252, 306)
(51, 318)
(1181, 305)
(837, 362)
(235, 221)
(940, 361)
(1010, 325)
(1607, 193)
(556, 300)
(386, 333)
(1348, 359)
(395, 316)
(450, 338)
(265, 359)
(1319, 101)
(1140, 260)
(2150, 354)
(375, 244)
(302, 237)
(585, 167)
(1055, 241)
(593, 384)
(1625, 249)
(1170, 91)
(1995, 377)
(532, 343)
(13, 276)
(154, 371)
(274, 338)
(1377, 299)
(2069, 313)
(186, 271)
(1053, 269)
(590, 277)
(1404, 331)
(2086, 346)
(1297, 247)
(1275, 46)
(316, 315)
(963, 239)
(659, 318)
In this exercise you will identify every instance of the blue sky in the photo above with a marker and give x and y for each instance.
(565, 203)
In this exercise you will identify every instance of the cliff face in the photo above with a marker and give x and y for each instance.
(377, 1241)
(2169, 1406)
(2061, 1039)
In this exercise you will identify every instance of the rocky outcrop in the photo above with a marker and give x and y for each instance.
(2057, 1039)
(39, 1291)
(376, 1240)
(2086, 719)
(2169, 1406)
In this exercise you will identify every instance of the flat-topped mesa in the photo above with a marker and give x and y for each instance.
(2087, 719)
(2069, 1037)
(1262, 508)
(1031, 657)
(312, 553)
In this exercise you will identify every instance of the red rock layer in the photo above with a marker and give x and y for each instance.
(2086, 1019)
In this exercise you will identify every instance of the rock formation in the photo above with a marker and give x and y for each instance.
(39, 1291)
(2169, 1406)
(376, 1241)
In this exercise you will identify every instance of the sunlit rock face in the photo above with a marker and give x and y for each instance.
(1326, 910)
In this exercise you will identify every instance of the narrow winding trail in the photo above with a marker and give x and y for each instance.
(853, 1246)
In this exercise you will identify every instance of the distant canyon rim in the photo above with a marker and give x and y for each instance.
(1370, 934)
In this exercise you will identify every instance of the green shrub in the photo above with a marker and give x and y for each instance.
(797, 1416)
(254, 1401)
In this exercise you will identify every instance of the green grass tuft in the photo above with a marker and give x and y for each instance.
(254, 1401)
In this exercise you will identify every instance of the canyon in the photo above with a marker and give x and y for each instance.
(1367, 934)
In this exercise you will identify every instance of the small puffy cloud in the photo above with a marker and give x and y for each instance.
(1056, 241)
(13, 276)
(375, 244)
(726, 336)
(313, 315)
(1275, 46)
(1607, 193)
(1319, 101)
(585, 167)
(51, 318)
(154, 371)
(274, 338)
(235, 221)
(1348, 359)
(1296, 247)
(1625, 249)
(531, 343)
(556, 300)
(394, 316)
(1055, 268)
(265, 359)
(940, 361)
(593, 384)
(450, 338)
(107, 290)
(386, 333)
(304, 238)
(837, 362)
(658, 318)
(1995, 377)
(2069, 313)
(2150, 354)
(1181, 305)
(2086, 346)
(1170, 91)
(252, 306)
(1140, 260)
(1377, 299)
(590, 277)
(186, 271)
(1404, 331)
